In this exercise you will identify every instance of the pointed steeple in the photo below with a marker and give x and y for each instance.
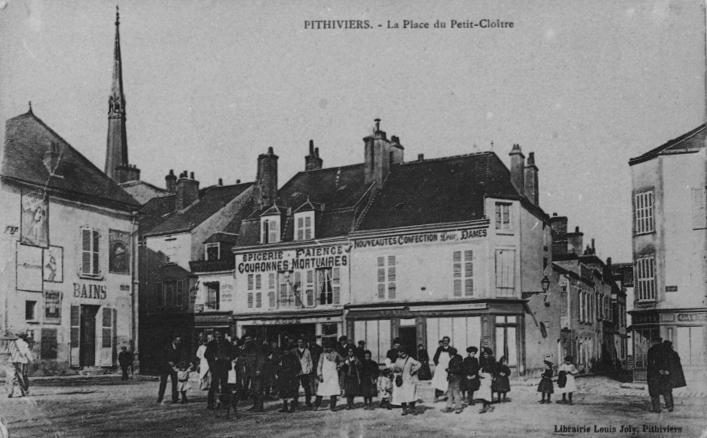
(117, 166)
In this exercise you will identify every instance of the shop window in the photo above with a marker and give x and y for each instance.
(643, 212)
(213, 251)
(30, 310)
(90, 255)
(386, 277)
(304, 226)
(503, 217)
(506, 329)
(463, 273)
(505, 272)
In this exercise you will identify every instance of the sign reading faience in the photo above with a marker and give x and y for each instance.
(412, 239)
(331, 256)
(90, 290)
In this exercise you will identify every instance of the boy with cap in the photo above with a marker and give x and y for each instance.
(455, 375)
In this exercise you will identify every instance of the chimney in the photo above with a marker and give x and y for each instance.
(378, 156)
(51, 158)
(575, 241)
(312, 161)
(170, 181)
(531, 179)
(267, 177)
(608, 261)
(220, 181)
(517, 168)
(397, 150)
(238, 181)
(128, 172)
(187, 190)
(558, 224)
(420, 157)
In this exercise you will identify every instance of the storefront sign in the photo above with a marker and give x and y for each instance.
(432, 237)
(644, 318)
(90, 290)
(691, 317)
(287, 260)
(671, 288)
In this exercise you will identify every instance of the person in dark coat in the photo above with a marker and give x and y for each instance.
(351, 370)
(677, 376)
(254, 362)
(369, 379)
(315, 350)
(219, 355)
(501, 383)
(471, 374)
(360, 350)
(125, 360)
(288, 370)
(424, 358)
(392, 354)
(455, 375)
(168, 368)
(546, 386)
(658, 375)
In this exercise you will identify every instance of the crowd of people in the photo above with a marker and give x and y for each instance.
(233, 370)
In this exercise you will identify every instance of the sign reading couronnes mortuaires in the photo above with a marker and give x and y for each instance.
(325, 256)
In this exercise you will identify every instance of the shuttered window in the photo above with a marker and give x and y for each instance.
(505, 272)
(90, 245)
(643, 213)
(699, 208)
(463, 273)
(644, 270)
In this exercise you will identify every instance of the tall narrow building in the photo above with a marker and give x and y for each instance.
(117, 166)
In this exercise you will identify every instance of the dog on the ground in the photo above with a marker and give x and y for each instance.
(226, 401)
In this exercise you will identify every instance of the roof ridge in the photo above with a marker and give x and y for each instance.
(670, 143)
(449, 157)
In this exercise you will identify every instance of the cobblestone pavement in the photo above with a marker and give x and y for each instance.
(105, 407)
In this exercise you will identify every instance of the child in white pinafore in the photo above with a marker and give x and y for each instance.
(570, 385)
(183, 370)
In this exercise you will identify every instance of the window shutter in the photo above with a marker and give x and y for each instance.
(75, 322)
(336, 286)
(699, 208)
(457, 273)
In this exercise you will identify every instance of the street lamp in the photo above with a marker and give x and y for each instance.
(545, 283)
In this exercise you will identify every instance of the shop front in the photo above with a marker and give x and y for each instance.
(282, 327)
(482, 323)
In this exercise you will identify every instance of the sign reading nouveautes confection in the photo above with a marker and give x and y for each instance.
(416, 238)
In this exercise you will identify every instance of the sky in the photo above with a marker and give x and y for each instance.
(209, 85)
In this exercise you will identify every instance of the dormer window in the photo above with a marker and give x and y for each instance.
(269, 229)
(304, 225)
(212, 251)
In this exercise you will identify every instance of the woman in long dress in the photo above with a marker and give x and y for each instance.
(485, 380)
(441, 360)
(406, 367)
(204, 375)
(570, 385)
(328, 374)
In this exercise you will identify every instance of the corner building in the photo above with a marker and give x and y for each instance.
(446, 248)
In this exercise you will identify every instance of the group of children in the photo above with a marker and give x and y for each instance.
(565, 381)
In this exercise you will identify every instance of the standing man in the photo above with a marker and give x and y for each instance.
(168, 368)
(306, 366)
(676, 374)
(25, 357)
(125, 360)
(658, 376)
(218, 354)
(455, 375)
(254, 358)
(441, 359)
(315, 350)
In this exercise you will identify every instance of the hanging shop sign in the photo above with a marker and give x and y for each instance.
(417, 238)
(329, 256)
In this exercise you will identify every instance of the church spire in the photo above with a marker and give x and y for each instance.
(117, 166)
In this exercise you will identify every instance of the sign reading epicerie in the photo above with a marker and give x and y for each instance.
(409, 239)
(287, 260)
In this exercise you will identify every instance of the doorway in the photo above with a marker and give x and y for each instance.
(408, 339)
(87, 349)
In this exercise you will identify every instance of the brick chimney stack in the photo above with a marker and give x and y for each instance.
(378, 155)
(187, 190)
(517, 168)
(531, 179)
(312, 161)
(267, 177)
(170, 181)
(397, 150)
(575, 241)
(559, 234)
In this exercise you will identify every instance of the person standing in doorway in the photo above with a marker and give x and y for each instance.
(441, 360)
(125, 360)
(306, 365)
(168, 368)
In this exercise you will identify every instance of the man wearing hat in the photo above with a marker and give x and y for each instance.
(455, 375)
(471, 374)
(658, 375)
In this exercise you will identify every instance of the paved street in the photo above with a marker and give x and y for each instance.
(103, 407)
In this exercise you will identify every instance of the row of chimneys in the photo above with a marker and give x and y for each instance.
(379, 154)
(564, 243)
(524, 174)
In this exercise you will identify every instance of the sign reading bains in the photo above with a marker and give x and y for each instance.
(329, 256)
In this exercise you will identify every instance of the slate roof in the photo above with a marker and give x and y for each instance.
(155, 211)
(336, 193)
(143, 191)
(27, 138)
(689, 142)
(439, 190)
(211, 200)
